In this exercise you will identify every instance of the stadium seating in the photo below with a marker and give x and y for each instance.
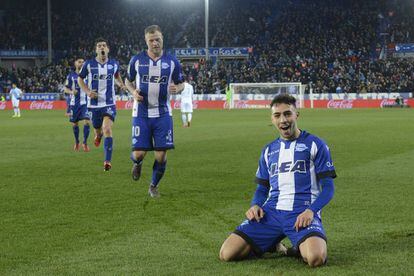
(332, 45)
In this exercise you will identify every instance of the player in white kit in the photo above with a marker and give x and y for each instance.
(15, 94)
(187, 104)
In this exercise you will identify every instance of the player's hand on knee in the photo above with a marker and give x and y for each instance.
(255, 213)
(304, 219)
(137, 96)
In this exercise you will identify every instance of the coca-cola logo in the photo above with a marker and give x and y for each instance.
(387, 102)
(240, 104)
(41, 105)
(2, 105)
(346, 104)
(129, 104)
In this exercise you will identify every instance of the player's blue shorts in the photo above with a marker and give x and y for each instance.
(78, 113)
(97, 115)
(275, 226)
(152, 133)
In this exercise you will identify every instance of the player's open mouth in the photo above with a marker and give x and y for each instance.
(285, 127)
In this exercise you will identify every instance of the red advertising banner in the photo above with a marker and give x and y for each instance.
(249, 104)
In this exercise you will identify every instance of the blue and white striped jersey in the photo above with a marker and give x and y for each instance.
(101, 77)
(293, 168)
(72, 83)
(152, 78)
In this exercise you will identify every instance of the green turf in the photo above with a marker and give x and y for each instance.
(61, 214)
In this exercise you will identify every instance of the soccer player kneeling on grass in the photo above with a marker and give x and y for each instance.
(295, 181)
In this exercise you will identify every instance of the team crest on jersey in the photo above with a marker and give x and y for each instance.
(286, 167)
(300, 147)
(165, 65)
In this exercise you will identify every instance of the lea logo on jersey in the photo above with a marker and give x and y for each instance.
(285, 167)
(102, 77)
(154, 79)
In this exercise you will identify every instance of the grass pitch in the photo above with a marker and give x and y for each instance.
(61, 214)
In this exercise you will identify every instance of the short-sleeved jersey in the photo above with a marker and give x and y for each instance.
(101, 77)
(187, 93)
(293, 169)
(15, 93)
(72, 83)
(153, 78)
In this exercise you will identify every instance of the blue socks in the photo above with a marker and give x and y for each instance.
(108, 148)
(76, 133)
(157, 172)
(86, 129)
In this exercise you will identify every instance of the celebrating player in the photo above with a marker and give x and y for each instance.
(102, 73)
(187, 104)
(295, 181)
(15, 94)
(78, 110)
(155, 75)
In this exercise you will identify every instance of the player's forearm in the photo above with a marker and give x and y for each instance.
(130, 86)
(260, 195)
(325, 196)
(83, 86)
(119, 82)
(180, 87)
(67, 91)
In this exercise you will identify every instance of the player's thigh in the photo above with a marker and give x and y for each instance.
(107, 122)
(141, 135)
(96, 117)
(264, 235)
(315, 229)
(186, 108)
(109, 112)
(234, 248)
(162, 131)
(83, 113)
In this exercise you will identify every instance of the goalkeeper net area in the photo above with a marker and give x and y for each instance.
(260, 95)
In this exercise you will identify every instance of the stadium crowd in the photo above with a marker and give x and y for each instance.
(331, 45)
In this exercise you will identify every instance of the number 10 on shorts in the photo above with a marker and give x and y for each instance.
(135, 131)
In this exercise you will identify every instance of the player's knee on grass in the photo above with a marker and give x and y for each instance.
(313, 251)
(315, 260)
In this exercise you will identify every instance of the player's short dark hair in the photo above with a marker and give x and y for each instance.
(101, 39)
(152, 29)
(283, 98)
(76, 58)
